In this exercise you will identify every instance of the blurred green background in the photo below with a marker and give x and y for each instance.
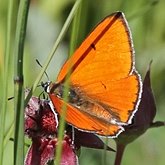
(147, 22)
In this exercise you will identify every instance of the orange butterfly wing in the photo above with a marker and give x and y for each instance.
(84, 121)
(103, 69)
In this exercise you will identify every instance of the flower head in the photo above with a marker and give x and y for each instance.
(41, 125)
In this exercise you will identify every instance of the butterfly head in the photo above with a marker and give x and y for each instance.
(46, 86)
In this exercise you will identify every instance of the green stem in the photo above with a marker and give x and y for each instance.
(104, 158)
(8, 134)
(11, 19)
(18, 80)
(75, 32)
(66, 89)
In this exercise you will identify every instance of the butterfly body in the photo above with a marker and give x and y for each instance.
(81, 102)
(104, 86)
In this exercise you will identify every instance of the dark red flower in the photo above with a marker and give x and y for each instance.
(40, 119)
(41, 125)
(42, 151)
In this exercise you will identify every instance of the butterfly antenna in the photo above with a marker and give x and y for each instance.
(42, 67)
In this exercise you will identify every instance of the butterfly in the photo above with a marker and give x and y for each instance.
(104, 86)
